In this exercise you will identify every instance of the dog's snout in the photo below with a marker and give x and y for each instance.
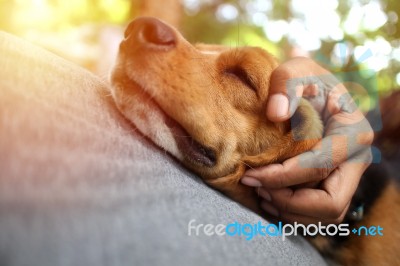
(151, 32)
(156, 32)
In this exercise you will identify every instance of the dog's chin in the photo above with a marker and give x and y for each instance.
(153, 122)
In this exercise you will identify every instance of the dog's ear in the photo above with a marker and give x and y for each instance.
(299, 134)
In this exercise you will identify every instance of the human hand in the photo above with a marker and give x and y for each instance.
(336, 163)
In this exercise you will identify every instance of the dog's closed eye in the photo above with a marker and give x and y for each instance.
(243, 76)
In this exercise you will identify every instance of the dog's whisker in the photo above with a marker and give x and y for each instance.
(246, 164)
(238, 34)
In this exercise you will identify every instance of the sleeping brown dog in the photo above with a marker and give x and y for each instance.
(205, 105)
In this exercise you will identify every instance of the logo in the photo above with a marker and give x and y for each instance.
(260, 229)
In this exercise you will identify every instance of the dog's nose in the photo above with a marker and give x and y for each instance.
(151, 31)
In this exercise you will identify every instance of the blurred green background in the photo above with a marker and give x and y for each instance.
(344, 36)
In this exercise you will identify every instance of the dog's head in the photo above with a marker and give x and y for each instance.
(204, 104)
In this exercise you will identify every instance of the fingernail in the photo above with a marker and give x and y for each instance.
(278, 105)
(265, 194)
(266, 206)
(250, 181)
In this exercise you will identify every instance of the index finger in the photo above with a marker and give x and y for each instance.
(329, 201)
(311, 166)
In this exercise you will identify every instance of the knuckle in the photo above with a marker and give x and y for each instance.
(327, 160)
(335, 211)
(322, 173)
(303, 60)
(324, 162)
(339, 219)
(282, 181)
(365, 133)
(282, 72)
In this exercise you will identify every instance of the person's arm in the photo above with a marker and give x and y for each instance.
(336, 163)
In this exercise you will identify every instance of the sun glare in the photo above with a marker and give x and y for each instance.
(78, 29)
(56, 15)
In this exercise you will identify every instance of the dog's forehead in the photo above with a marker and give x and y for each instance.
(211, 49)
(208, 52)
(248, 52)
